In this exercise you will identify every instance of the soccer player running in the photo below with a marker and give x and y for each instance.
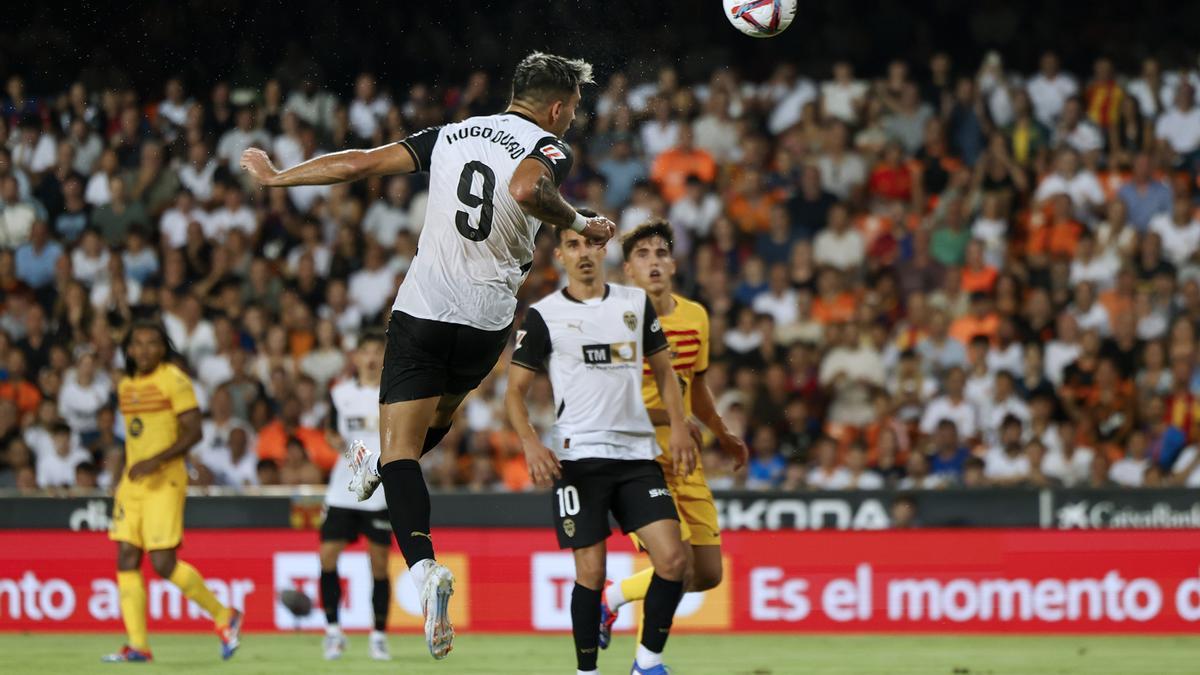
(355, 406)
(492, 181)
(592, 337)
(650, 265)
(162, 422)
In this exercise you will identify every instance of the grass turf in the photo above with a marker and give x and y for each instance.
(48, 653)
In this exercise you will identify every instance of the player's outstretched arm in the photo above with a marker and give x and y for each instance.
(683, 446)
(543, 465)
(189, 435)
(335, 167)
(532, 186)
(705, 407)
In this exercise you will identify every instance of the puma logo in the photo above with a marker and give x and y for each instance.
(414, 533)
(589, 650)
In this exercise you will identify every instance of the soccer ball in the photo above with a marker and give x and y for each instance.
(760, 18)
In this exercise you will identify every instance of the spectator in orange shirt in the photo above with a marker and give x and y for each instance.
(977, 275)
(672, 168)
(979, 321)
(16, 388)
(749, 207)
(1058, 238)
(273, 438)
(892, 177)
(833, 305)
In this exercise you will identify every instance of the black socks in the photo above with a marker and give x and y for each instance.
(381, 596)
(408, 508)
(585, 626)
(331, 595)
(662, 598)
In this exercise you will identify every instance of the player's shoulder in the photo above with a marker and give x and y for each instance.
(342, 387)
(689, 310)
(169, 372)
(630, 293)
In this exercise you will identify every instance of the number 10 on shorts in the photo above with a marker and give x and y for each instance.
(568, 501)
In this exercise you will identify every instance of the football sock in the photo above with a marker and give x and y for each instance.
(433, 436)
(630, 589)
(133, 607)
(381, 595)
(662, 598)
(647, 659)
(419, 572)
(331, 595)
(192, 584)
(585, 626)
(408, 508)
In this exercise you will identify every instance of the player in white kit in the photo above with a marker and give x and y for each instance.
(492, 181)
(355, 415)
(591, 338)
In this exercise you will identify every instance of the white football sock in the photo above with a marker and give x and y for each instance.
(419, 571)
(647, 659)
(333, 629)
(587, 672)
(614, 596)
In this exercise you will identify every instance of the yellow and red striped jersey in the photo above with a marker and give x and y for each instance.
(151, 405)
(686, 329)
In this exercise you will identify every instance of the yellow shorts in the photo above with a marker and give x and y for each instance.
(151, 520)
(693, 499)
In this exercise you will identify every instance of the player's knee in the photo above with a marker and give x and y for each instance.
(163, 563)
(672, 564)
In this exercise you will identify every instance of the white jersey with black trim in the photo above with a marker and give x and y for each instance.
(355, 411)
(476, 246)
(593, 351)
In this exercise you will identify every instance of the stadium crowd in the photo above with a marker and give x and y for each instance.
(946, 275)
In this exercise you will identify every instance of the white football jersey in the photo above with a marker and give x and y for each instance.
(477, 244)
(593, 351)
(356, 416)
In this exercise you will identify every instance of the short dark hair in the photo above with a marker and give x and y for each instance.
(656, 227)
(559, 230)
(372, 335)
(540, 75)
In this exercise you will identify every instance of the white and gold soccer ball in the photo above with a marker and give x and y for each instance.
(760, 18)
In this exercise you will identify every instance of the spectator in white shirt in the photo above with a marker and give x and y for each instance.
(1179, 232)
(790, 103)
(386, 217)
(338, 308)
(286, 149)
(34, 150)
(372, 287)
(191, 334)
(661, 133)
(1147, 89)
(57, 458)
(242, 136)
(1178, 129)
(224, 443)
(715, 130)
(196, 175)
(694, 213)
(839, 245)
(1006, 463)
(779, 300)
(1066, 461)
(1130, 470)
(312, 104)
(1081, 185)
(917, 475)
(84, 392)
(87, 144)
(842, 97)
(98, 191)
(234, 214)
(952, 405)
(1049, 90)
(89, 262)
(174, 223)
(828, 474)
(368, 109)
(843, 172)
(1004, 403)
(850, 372)
(173, 109)
(1077, 132)
(1093, 265)
(1090, 314)
(859, 476)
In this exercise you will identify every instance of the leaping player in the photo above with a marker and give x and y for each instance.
(650, 265)
(492, 181)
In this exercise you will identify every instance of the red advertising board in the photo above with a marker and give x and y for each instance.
(514, 580)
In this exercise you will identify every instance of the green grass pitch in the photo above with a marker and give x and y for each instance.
(46, 654)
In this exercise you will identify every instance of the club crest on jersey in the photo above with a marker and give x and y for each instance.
(569, 527)
(631, 321)
(552, 152)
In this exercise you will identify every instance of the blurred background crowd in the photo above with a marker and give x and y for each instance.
(936, 272)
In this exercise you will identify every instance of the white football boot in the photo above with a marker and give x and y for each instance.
(435, 601)
(365, 465)
(335, 643)
(377, 646)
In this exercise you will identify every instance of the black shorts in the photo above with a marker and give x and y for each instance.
(426, 358)
(346, 524)
(635, 491)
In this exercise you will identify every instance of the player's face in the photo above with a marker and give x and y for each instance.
(565, 114)
(651, 266)
(147, 350)
(368, 358)
(582, 259)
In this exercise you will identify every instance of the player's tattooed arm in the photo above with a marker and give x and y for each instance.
(335, 167)
(533, 187)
